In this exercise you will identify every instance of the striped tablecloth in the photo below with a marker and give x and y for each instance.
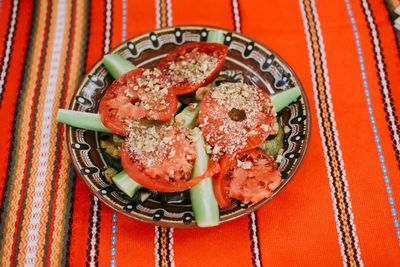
(342, 206)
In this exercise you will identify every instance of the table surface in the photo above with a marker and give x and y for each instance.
(342, 206)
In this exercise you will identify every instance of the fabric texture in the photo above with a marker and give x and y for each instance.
(340, 209)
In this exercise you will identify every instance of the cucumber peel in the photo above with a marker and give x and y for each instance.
(126, 184)
(272, 147)
(215, 36)
(204, 204)
(117, 65)
(83, 120)
(284, 98)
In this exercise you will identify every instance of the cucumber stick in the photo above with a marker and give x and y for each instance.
(284, 98)
(126, 184)
(83, 120)
(188, 116)
(204, 204)
(117, 65)
(215, 36)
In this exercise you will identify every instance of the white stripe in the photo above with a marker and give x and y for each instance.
(382, 75)
(9, 44)
(92, 253)
(253, 225)
(158, 14)
(113, 262)
(107, 35)
(45, 143)
(94, 219)
(157, 230)
(397, 10)
(335, 137)
(169, 13)
(171, 246)
(256, 249)
(236, 15)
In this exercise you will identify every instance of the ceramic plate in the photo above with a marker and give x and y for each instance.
(248, 61)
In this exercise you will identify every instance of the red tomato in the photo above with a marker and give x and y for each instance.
(236, 117)
(138, 94)
(193, 65)
(162, 158)
(250, 177)
(219, 184)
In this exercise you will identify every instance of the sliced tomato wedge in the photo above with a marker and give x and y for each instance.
(193, 65)
(220, 186)
(138, 94)
(162, 158)
(236, 117)
(250, 177)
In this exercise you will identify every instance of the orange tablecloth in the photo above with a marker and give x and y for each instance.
(342, 206)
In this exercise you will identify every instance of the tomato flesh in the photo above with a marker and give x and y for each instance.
(138, 94)
(193, 65)
(219, 184)
(250, 177)
(162, 158)
(236, 117)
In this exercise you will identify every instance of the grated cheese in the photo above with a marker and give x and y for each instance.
(192, 67)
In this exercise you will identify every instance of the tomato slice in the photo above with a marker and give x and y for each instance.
(138, 94)
(236, 117)
(161, 158)
(219, 184)
(250, 177)
(193, 65)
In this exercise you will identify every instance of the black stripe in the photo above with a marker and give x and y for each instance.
(72, 175)
(159, 250)
(168, 245)
(71, 197)
(90, 235)
(389, 89)
(12, 45)
(253, 245)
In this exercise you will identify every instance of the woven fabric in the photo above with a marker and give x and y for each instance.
(340, 209)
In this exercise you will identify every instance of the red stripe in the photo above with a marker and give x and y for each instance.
(29, 142)
(142, 248)
(80, 220)
(80, 224)
(5, 17)
(13, 83)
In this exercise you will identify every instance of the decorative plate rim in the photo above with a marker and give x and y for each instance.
(229, 217)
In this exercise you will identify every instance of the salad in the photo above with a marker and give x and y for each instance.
(179, 127)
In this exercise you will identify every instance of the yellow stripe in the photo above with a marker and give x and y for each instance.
(22, 139)
(164, 19)
(37, 141)
(164, 247)
(61, 201)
